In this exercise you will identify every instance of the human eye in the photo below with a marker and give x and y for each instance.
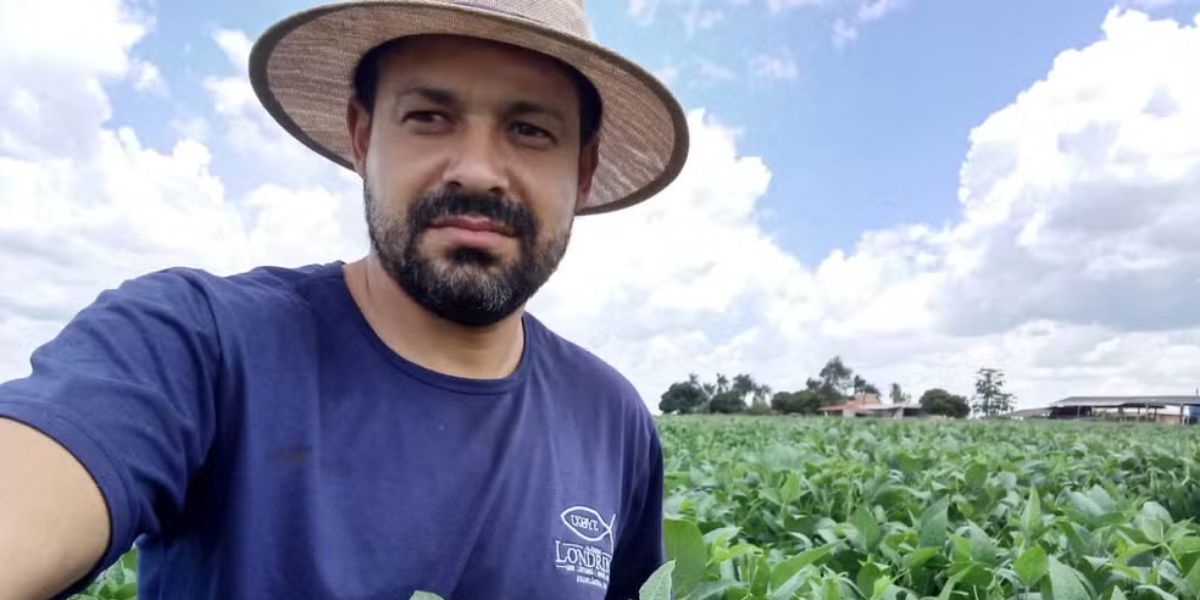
(427, 121)
(532, 134)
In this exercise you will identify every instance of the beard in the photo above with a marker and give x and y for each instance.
(465, 285)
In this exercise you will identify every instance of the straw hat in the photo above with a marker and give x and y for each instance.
(302, 70)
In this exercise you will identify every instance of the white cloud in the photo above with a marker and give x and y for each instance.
(1075, 265)
(711, 72)
(1086, 185)
(698, 18)
(843, 33)
(54, 70)
(255, 136)
(774, 66)
(846, 27)
(873, 10)
(642, 11)
(781, 5)
(82, 214)
(1152, 4)
(147, 79)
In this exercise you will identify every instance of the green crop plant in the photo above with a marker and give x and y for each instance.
(780, 508)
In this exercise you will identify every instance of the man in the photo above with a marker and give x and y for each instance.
(394, 424)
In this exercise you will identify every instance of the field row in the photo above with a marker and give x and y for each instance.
(858, 508)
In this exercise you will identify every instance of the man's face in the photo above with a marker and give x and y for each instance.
(472, 171)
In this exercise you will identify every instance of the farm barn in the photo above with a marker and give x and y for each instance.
(1162, 409)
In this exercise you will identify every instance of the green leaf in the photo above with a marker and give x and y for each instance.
(786, 569)
(864, 522)
(1133, 551)
(790, 490)
(1031, 515)
(832, 589)
(1102, 499)
(1152, 528)
(976, 475)
(721, 536)
(1117, 594)
(127, 591)
(424, 596)
(1032, 565)
(948, 590)
(1186, 546)
(761, 578)
(1193, 579)
(788, 588)
(686, 549)
(658, 585)
(1066, 583)
(710, 589)
(1085, 506)
(1161, 593)
(983, 549)
(1156, 510)
(867, 575)
(919, 557)
(933, 524)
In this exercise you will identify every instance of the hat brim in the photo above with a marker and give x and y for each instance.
(302, 70)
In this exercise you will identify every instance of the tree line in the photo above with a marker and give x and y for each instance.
(835, 384)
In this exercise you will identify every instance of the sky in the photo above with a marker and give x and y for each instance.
(922, 187)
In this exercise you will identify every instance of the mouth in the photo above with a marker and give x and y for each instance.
(480, 225)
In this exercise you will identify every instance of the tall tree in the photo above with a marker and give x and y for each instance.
(684, 397)
(836, 375)
(761, 393)
(722, 384)
(824, 394)
(897, 395)
(743, 384)
(859, 384)
(727, 402)
(990, 397)
(805, 402)
(750, 391)
(940, 402)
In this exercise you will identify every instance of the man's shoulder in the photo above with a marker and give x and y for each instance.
(200, 300)
(257, 286)
(578, 365)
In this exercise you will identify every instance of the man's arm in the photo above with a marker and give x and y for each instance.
(53, 520)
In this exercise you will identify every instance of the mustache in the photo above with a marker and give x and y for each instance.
(454, 203)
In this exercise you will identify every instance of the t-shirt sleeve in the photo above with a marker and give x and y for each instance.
(128, 388)
(639, 550)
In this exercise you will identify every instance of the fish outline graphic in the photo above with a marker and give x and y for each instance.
(586, 522)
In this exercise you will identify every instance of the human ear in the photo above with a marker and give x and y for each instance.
(358, 124)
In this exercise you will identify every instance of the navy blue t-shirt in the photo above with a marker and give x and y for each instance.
(258, 440)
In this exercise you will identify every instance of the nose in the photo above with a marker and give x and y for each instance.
(478, 164)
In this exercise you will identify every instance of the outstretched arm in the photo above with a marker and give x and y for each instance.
(53, 520)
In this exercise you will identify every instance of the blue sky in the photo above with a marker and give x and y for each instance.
(924, 187)
(868, 134)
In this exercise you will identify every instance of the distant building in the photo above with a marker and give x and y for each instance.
(869, 405)
(1162, 409)
(1027, 413)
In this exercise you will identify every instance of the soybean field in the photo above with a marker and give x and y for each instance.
(778, 508)
(771, 508)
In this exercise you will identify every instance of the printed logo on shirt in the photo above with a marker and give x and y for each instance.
(587, 556)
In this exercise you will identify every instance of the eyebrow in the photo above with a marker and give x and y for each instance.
(444, 97)
(524, 107)
(434, 95)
